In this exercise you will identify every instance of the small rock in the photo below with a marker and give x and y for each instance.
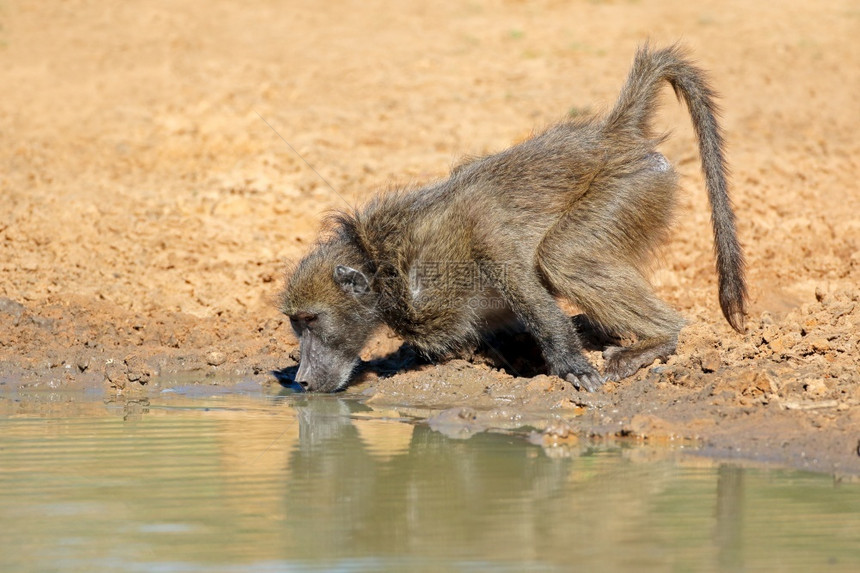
(769, 332)
(820, 294)
(820, 345)
(766, 382)
(710, 361)
(810, 324)
(816, 387)
(82, 362)
(216, 358)
(137, 370)
(783, 344)
(115, 374)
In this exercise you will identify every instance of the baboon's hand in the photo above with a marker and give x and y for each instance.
(589, 381)
(579, 372)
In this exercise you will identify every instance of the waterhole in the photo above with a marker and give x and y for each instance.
(194, 480)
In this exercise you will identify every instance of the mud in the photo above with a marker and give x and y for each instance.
(150, 205)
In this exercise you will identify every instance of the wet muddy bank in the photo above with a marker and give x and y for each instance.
(776, 395)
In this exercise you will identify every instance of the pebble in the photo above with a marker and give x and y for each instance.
(711, 361)
(216, 358)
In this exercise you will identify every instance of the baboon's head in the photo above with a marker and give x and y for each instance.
(332, 311)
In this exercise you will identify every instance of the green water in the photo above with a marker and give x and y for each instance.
(189, 481)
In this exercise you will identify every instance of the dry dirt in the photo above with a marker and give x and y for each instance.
(149, 205)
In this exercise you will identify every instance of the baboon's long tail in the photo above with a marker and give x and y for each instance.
(632, 116)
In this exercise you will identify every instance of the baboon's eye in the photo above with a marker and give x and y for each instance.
(300, 320)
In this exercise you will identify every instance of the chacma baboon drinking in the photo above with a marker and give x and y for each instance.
(573, 213)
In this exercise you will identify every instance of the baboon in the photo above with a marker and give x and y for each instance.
(573, 213)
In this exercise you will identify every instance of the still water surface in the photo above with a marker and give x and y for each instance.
(186, 481)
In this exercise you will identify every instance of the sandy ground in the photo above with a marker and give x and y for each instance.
(149, 205)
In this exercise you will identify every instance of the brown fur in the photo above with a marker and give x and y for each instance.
(574, 212)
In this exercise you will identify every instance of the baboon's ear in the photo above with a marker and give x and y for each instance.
(352, 281)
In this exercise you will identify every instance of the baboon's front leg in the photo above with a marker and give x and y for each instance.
(551, 328)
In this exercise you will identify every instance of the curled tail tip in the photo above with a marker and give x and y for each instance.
(736, 320)
(733, 302)
(735, 312)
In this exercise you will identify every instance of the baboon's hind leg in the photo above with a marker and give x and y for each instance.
(622, 302)
(618, 300)
(593, 254)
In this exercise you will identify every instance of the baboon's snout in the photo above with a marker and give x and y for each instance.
(303, 378)
(321, 367)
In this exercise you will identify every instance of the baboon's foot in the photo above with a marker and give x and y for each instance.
(624, 361)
